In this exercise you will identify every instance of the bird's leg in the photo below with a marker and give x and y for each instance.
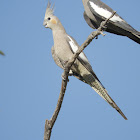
(102, 28)
(101, 32)
(96, 33)
(103, 25)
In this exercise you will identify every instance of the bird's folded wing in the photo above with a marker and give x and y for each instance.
(61, 65)
(103, 11)
(82, 57)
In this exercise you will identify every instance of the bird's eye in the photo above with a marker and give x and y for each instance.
(49, 18)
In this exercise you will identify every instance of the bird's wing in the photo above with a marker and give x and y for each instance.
(61, 65)
(91, 77)
(82, 57)
(103, 11)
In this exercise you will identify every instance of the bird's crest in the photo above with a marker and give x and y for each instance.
(49, 10)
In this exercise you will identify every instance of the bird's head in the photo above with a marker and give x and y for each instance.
(50, 20)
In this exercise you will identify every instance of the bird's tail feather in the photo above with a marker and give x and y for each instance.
(103, 93)
(134, 36)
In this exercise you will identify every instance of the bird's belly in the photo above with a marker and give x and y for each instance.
(63, 53)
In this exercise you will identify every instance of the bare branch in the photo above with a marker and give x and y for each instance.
(49, 123)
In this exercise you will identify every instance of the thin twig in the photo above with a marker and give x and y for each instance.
(50, 123)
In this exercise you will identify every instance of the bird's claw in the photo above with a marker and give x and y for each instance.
(103, 25)
(101, 32)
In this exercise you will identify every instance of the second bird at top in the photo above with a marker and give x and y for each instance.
(96, 11)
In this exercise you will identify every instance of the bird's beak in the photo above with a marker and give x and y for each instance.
(45, 24)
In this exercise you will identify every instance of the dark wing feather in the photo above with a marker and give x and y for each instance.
(121, 24)
(86, 64)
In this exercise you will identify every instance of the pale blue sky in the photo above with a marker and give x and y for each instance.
(30, 81)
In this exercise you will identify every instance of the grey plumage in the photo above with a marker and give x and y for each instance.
(62, 51)
(96, 11)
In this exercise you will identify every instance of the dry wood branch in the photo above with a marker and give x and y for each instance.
(49, 123)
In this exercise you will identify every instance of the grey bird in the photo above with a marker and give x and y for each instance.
(62, 51)
(96, 11)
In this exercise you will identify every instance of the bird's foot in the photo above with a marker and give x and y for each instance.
(103, 25)
(101, 32)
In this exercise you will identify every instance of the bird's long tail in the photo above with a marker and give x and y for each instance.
(103, 93)
(134, 36)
